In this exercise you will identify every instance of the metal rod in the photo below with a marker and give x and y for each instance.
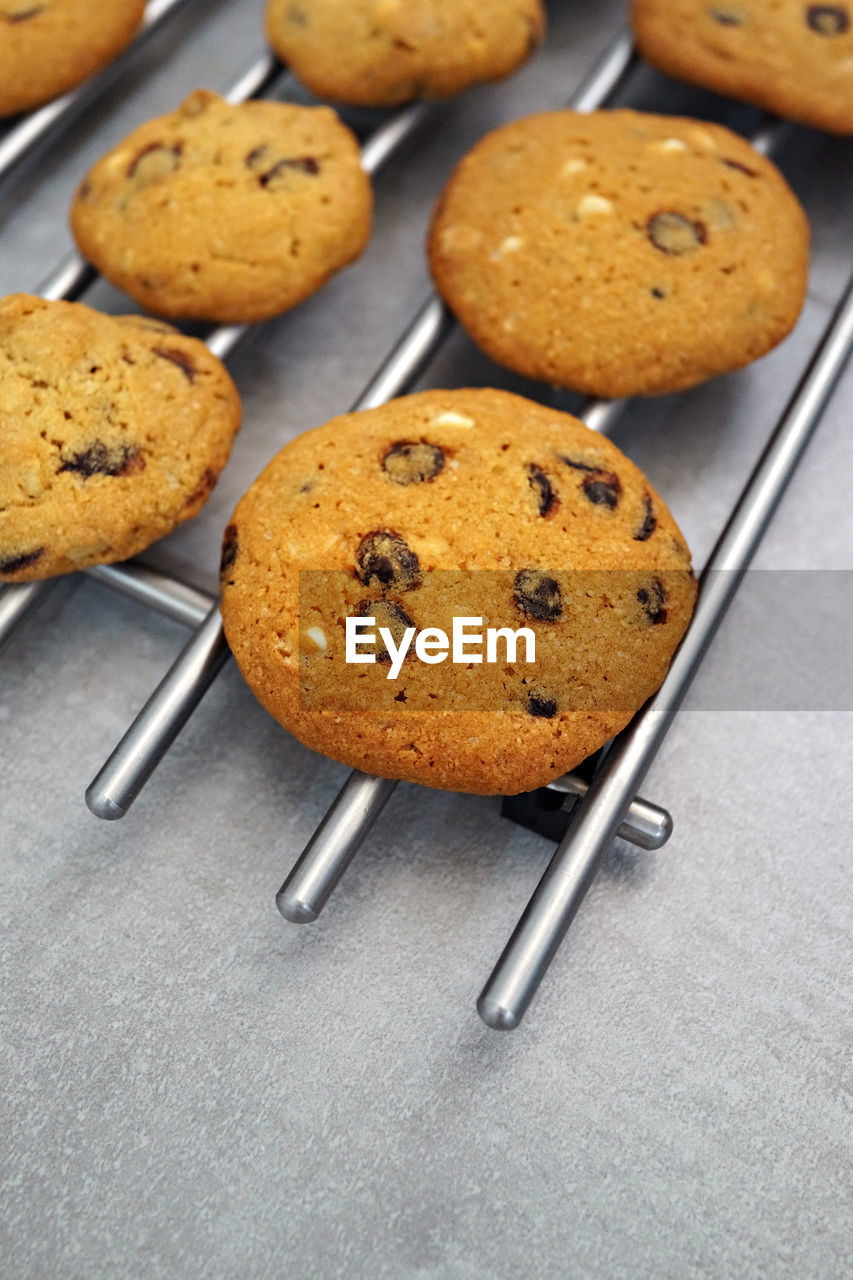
(561, 891)
(37, 125)
(164, 715)
(15, 604)
(646, 825)
(389, 138)
(146, 586)
(348, 820)
(409, 357)
(256, 79)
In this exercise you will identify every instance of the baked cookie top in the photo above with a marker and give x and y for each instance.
(619, 253)
(112, 431)
(792, 58)
(472, 503)
(382, 52)
(49, 46)
(226, 213)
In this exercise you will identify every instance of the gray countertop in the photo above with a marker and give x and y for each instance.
(195, 1088)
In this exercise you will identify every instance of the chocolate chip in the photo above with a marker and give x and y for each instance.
(385, 558)
(658, 293)
(412, 463)
(602, 488)
(23, 15)
(539, 704)
(741, 168)
(259, 157)
(652, 599)
(546, 496)
(828, 19)
(674, 234)
(100, 459)
(538, 595)
(578, 465)
(387, 614)
(155, 161)
(230, 547)
(203, 488)
(14, 564)
(728, 17)
(302, 164)
(178, 357)
(650, 522)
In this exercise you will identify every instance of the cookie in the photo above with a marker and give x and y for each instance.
(49, 46)
(378, 53)
(475, 505)
(619, 253)
(792, 58)
(226, 213)
(112, 431)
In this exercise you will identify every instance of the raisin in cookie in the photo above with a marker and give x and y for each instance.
(471, 504)
(377, 53)
(792, 58)
(49, 46)
(226, 213)
(112, 431)
(619, 253)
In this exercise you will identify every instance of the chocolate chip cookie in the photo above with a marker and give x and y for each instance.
(789, 57)
(49, 46)
(378, 53)
(476, 506)
(619, 253)
(112, 431)
(226, 213)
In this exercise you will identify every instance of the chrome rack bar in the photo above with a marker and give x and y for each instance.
(137, 755)
(148, 739)
(37, 125)
(72, 277)
(559, 894)
(146, 586)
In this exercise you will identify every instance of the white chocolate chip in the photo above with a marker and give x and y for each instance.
(318, 636)
(668, 144)
(512, 244)
(451, 419)
(592, 205)
(573, 166)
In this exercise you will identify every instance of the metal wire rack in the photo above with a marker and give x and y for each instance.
(605, 807)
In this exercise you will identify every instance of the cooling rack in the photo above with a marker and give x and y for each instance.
(606, 807)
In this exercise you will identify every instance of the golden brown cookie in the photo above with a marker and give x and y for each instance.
(112, 431)
(377, 53)
(226, 213)
(455, 504)
(619, 253)
(792, 58)
(49, 46)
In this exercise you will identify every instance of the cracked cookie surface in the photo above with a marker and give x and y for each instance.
(378, 53)
(620, 253)
(784, 55)
(497, 516)
(49, 46)
(113, 430)
(226, 213)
